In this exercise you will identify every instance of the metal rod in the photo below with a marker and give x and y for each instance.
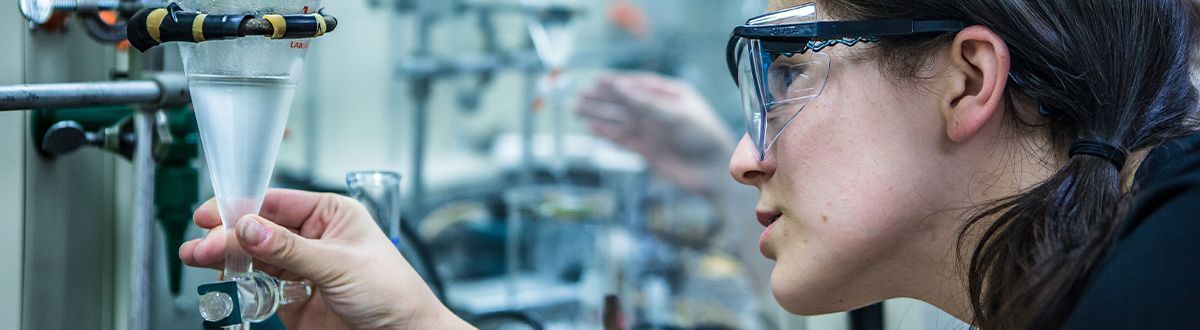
(165, 90)
(421, 92)
(74, 95)
(526, 174)
(487, 63)
(144, 186)
(143, 221)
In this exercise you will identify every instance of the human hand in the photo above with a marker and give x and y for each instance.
(666, 121)
(360, 280)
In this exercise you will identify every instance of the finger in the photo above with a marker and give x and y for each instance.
(615, 133)
(210, 251)
(600, 93)
(187, 252)
(653, 88)
(207, 215)
(292, 208)
(639, 95)
(606, 112)
(656, 82)
(273, 244)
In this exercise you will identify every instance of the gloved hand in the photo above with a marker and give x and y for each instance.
(667, 122)
(360, 280)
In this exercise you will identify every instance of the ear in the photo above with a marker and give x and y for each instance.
(974, 84)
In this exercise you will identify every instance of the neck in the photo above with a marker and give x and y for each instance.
(994, 169)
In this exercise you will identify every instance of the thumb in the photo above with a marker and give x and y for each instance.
(264, 240)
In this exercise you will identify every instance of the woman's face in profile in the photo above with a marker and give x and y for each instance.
(856, 190)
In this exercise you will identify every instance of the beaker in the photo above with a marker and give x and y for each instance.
(380, 192)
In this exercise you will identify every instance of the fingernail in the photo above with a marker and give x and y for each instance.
(191, 242)
(251, 231)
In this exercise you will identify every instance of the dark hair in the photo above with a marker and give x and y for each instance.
(1112, 71)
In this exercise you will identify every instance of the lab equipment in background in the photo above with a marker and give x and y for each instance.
(551, 27)
(163, 90)
(242, 90)
(560, 262)
(379, 192)
(175, 148)
(137, 131)
(103, 20)
(552, 30)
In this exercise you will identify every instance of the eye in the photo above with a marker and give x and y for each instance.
(783, 77)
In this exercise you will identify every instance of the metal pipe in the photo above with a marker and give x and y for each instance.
(75, 95)
(143, 220)
(421, 91)
(165, 91)
(417, 66)
(143, 200)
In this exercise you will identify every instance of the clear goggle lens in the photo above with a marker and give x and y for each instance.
(775, 87)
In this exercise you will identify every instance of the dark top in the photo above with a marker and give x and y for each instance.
(1151, 277)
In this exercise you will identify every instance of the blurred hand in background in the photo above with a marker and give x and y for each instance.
(666, 121)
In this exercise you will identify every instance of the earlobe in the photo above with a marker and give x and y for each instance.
(979, 61)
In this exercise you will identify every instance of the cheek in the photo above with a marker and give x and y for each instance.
(848, 154)
(847, 175)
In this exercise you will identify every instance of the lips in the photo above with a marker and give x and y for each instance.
(766, 218)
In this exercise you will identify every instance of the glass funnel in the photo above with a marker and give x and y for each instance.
(552, 29)
(242, 90)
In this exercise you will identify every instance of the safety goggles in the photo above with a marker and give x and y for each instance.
(777, 63)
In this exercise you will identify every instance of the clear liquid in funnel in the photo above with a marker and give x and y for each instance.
(241, 123)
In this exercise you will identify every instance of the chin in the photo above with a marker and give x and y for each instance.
(801, 296)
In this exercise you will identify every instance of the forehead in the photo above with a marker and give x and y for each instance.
(773, 5)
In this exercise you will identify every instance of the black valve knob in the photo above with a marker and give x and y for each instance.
(67, 136)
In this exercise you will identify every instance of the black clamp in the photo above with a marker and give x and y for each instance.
(151, 27)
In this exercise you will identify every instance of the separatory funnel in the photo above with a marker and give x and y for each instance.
(242, 78)
(553, 32)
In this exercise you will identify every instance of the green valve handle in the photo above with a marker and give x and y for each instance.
(151, 27)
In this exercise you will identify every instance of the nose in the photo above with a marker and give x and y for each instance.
(745, 167)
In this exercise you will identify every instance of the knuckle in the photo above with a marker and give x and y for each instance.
(285, 249)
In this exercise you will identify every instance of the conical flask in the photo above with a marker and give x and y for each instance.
(242, 91)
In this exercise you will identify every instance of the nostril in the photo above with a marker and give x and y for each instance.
(753, 175)
(745, 167)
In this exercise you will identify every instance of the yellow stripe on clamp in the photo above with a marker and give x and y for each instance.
(154, 22)
(320, 25)
(277, 23)
(198, 28)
